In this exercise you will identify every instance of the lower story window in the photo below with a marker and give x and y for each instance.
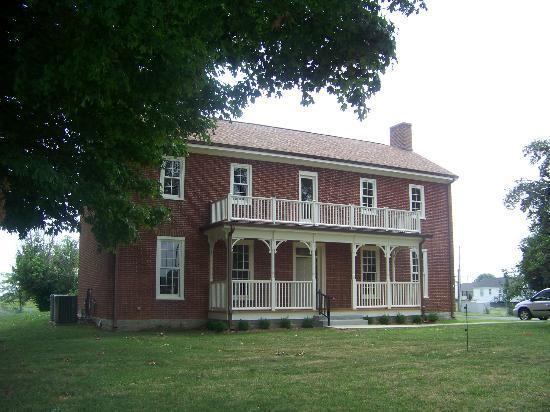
(241, 262)
(170, 258)
(415, 270)
(369, 265)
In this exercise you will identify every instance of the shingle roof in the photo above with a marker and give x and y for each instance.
(321, 146)
(496, 282)
(466, 287)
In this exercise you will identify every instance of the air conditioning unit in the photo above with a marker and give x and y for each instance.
(63, 308)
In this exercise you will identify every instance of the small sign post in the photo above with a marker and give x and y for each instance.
(467, 331)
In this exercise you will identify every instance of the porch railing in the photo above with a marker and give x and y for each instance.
(256, 295)
(270, 209)
(375, 294)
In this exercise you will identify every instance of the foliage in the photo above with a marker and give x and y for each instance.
(515, 286)
(400, 318)
(216, 325)
(384, 320)
(11, 290)
(307, 323)
(533, 198)
(432, 317)
(44, 266)
(285, 323)
(93, 93)
(243, 325)
(416, 319)
(264, 323)
(484, 276)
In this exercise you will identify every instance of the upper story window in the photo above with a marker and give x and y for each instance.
(170, 258)
(368, 193)
(416, 199)
(241, 180)
(171, 178)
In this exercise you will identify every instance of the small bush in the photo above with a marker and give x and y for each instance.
(264, 323)
(432, 317)
(400, 318)
(384, 320)
(243, 325)
(216, 325)
(307, 323)
(285, 323)
(417, 319)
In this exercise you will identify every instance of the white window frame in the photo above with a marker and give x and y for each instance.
(425, 276)
(377, 254)
(315, 178)
(422, 200)
(250, 244)
(364, 181)
(413, 272)
(180, 294)
(181, 178)
(232, 177)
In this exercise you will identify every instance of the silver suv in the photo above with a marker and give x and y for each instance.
(536, 307)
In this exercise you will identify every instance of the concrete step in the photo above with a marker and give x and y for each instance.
(344, 322)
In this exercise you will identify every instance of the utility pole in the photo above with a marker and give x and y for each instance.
(459, 288)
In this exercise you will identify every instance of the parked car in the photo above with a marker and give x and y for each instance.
(536, 307)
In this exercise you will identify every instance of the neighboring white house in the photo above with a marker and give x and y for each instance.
(488, 290)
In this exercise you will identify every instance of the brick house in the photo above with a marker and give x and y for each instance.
(276, 221)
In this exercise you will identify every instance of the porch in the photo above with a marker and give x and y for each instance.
(281, 270)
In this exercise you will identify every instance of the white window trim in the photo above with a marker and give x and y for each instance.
(180, 295)
(250, 243)
(422, 200)
(181, 179)
(375, 191)
(232, 176)
(311, 175)
(377, 252)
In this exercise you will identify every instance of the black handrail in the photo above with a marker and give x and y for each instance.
(323, 304)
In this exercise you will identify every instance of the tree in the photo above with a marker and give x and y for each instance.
(515, 286)
(94, 94)
(484, 276)
(44, 266)
(533, 198)
(11, 291)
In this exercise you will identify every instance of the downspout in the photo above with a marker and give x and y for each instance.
(229, 276)
(451, 253)
(421, 276)
(115, 323)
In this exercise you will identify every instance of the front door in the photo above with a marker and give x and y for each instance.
(302, 265)
(308, 195)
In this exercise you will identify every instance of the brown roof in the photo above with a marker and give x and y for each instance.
(321, 146)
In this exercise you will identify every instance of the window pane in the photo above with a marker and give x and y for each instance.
(307, 189)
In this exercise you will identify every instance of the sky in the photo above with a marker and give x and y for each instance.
(473, 79)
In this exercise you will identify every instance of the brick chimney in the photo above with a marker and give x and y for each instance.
(401, 136)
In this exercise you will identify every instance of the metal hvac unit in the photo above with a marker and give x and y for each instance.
(63, 308)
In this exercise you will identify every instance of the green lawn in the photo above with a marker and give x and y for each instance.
(43, 367)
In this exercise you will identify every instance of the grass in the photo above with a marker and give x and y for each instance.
(79, 367)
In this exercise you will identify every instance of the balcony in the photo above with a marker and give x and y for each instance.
(283, 211)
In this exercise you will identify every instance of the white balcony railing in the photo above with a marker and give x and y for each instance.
(273, 210)
(375, 294)
(256, 295)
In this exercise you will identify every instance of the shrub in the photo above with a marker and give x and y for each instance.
(216, 325)
(285, 323)
(307, 323)
(416, 319)
(384, 320)
(400, 318)
(264, 323)
(243, 325)
(432, 317)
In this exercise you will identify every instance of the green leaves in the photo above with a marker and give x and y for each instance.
(93, 94)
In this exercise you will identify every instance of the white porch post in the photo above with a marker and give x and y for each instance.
(211, 244)
(387, 251)
(313, 274)
(272, 251)
(353, 277)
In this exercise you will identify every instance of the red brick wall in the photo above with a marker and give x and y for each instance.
(207, 178)
(96, 272)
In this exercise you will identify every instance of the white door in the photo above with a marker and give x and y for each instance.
(308, 195)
